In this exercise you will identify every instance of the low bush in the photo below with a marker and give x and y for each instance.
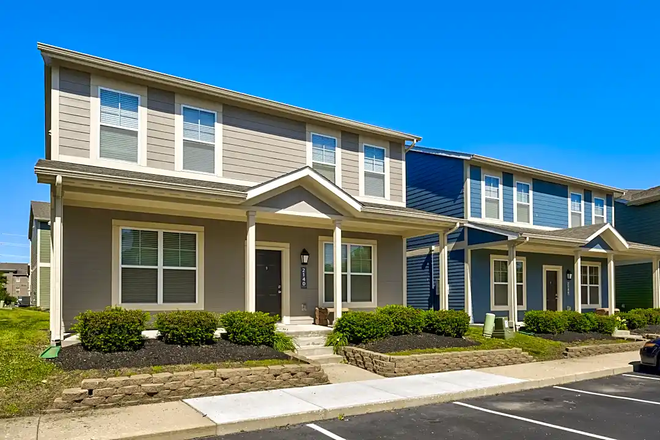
(360, 327)
(187, 327)
(545, 321)
(283, 342)
(580, 322)
(249, 328)
(336, 340)
(634, 319)
(111, 330)
(605, 324)
(652, 316)
(405, 320)
(453, 323)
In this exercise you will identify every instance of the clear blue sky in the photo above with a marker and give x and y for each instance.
(571, 87)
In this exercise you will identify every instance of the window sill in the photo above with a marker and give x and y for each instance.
(161, 307)
(590, 306)
(354, 305)
(507, 309)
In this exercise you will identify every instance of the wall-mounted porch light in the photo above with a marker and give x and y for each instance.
(304, 257)
(569, 275)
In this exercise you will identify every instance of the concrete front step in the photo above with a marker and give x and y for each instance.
(310, 341)
(314, 351)
(326, 359)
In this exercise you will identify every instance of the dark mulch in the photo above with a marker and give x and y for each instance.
(394, 344)
(575, 337)
(654, 329)
(156, 352)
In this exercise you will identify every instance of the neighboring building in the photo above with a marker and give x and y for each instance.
(637, 217)
(171, 194)
(18, 280)
(39, 236)
(528, 232)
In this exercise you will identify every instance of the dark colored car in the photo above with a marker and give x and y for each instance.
(649, 353)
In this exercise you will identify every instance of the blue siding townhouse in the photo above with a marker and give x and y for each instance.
(532, 239)
(638, 218)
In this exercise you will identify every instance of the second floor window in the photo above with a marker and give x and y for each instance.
(599, 211)
(523, 202)
(324, 155)
(119, 126)
(492, 197)
(576, 210)
(374, 171)
(198, 140)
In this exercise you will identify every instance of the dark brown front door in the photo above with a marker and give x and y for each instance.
(269, 282)
(551, 290)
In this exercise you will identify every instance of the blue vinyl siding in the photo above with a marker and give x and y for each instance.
(507, 196)
(634, 286)
(639, 223)
(588, 207)
(423, 273)
(426, 241)
(598, 243)
(609, 202)
(550, 204)
(456, 279)
(475, 191)
(435, 184)
(477, 236)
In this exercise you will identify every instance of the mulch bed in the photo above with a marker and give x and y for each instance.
(156, 352)
(575, 337)
(653, 329)
(394, 344)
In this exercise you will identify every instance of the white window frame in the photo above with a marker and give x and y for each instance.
(516, 202)
(137, 131)
(505, 259)
(374, 276)
(117, 227)
(384, 173)
(593, 210)
(600, 284)
(180, 103)
(372, 142)
(500, 213)
(570, 209)
(214, 143)
(337, 155)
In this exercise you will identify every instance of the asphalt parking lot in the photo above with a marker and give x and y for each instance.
(619, 407)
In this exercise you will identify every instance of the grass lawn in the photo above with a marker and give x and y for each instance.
(29, 384)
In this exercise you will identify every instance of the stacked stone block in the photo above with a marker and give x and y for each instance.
(593, 350)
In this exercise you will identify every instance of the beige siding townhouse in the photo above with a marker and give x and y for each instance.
(40, 244)
(172, 194)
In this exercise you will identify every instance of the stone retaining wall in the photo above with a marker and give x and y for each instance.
(390, 366)
(593, 350)
(151, 388)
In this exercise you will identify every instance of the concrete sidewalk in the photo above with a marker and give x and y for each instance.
(267, 409)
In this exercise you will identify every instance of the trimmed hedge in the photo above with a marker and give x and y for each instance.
(111, 330)
(249, 328)
(453, 323)
(405, 320)
(187, 327)
(546, 321)
(358, 327)
(605, 324)
(580, 322)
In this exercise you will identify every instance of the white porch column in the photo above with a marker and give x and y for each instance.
(56, 325)
(251, 263)
(443, 268)
(336, 248)
(611, 287)
(468, 283)
(656, 283)
(513, 296)
(577, 282)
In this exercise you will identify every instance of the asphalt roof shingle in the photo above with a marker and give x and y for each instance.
(40, 210)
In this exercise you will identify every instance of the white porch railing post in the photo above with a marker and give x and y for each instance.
(443, 269)
(57, 214)
(251, 263)
(656, 283)
(577, 282)
(611, 287)
(513, 291)
(336, 248)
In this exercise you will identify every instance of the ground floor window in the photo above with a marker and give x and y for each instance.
(357, 273)
(158, 266)
(590, 289)
(499, 288)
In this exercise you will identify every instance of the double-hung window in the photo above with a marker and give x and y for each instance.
(599, 210)
(374, 171)
(119, 125)
(523, 203)
(590, 290)
(198, 140)
(324, 155)
(492, 197)
(357, 273)
(500, 283)
(576, 210)
(158, 267)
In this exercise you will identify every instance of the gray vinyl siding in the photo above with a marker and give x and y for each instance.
(44, 287)
(258, 147)
(44, 246)
(350, 162)
(74, 113)
(160, 129)
(396, 172)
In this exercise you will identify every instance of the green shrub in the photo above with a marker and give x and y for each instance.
(453, 323)
(249, 328)
(545, 321)
(406, 320)
(360, 327)
(112, 330)
(187, 327)
(579, 322)
(283, 342)
(652, 316)
(634, 319)
(336, 340)
(605, 324)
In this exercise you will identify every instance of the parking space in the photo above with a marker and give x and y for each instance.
(615, 408)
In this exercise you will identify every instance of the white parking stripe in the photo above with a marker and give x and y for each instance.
(632, 399)
(641, 377)
(326, 432)
(537, 422)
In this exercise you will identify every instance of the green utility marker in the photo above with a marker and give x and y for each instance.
(51, 352)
